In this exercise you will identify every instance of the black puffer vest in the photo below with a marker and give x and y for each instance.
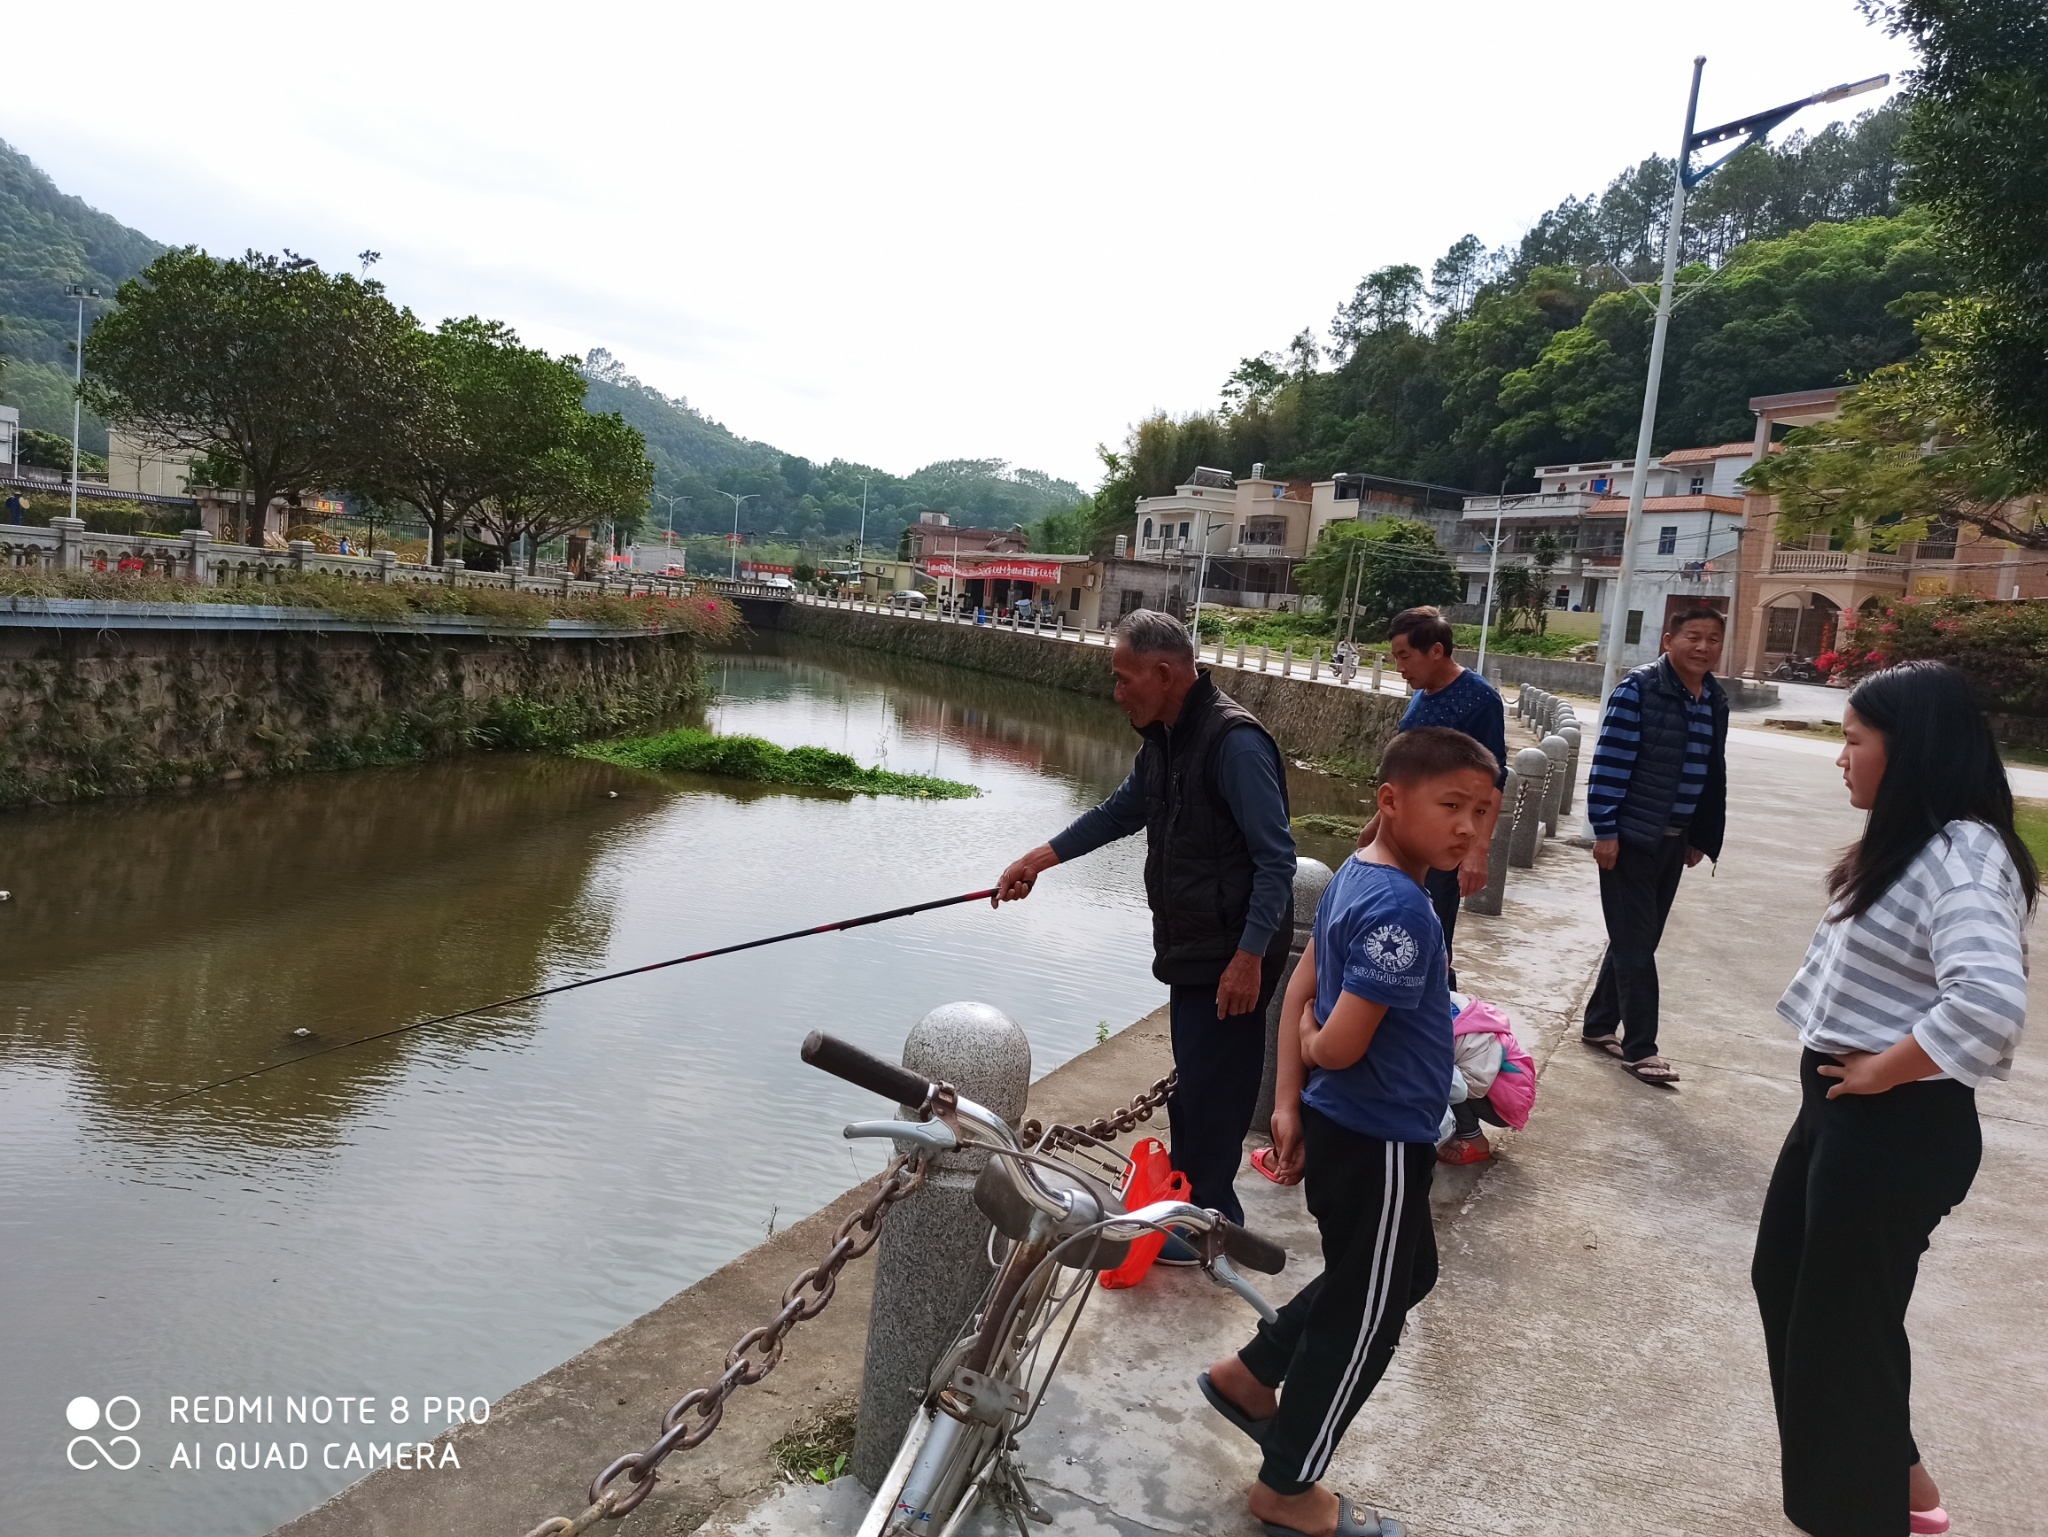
(1660, 756)
(1198, 867)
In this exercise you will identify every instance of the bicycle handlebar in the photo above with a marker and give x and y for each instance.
(1252, 1251)
(843, 1059)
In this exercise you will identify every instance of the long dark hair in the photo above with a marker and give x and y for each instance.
(1941, 766)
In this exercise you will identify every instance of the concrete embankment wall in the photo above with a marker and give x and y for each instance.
(1310, 720)
(88, 712)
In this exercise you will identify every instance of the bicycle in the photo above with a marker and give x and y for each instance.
(1062, 1225)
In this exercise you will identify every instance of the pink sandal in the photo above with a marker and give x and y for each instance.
(1933, 1521)
(1262, 1160)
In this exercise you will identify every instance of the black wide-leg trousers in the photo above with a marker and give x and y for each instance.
(1860, 1185)
(1635, 899)
(1218, 1064)
(1335, 1336)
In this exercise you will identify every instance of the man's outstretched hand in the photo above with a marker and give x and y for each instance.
(1023, 874)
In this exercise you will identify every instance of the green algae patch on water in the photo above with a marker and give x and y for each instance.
(685, 751)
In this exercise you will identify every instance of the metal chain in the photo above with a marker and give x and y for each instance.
(611, 1500)
(752, 1357)
(1103, 1128)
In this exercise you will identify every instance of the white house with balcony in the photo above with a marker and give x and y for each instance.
(1254, 531)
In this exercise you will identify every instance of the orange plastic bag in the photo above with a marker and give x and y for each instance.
(1151, 1177)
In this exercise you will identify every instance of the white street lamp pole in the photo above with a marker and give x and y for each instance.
(81, 294)
(1202, 576)
(1751, 130)
(733, 570)
(860, 548)
(1492, 571)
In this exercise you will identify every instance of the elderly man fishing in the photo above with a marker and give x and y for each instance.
(1209, 791)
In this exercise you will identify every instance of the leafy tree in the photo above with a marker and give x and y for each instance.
(1393, 564)
(291, 375)
(1977, 135)
(489, 411)
(595, 470)
(1455, 278)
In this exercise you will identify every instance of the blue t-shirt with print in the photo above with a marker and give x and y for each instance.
(1377, 937)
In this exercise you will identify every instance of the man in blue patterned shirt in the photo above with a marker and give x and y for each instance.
(1658, 801)
(1447, 694)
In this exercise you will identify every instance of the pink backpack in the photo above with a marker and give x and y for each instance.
(1514, 1091)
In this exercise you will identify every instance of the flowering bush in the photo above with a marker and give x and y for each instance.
(2001, 647)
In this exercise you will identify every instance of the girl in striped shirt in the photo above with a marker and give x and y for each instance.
(1913, 992)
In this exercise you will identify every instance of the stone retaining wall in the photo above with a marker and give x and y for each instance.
(1308, 720)
(118, 711)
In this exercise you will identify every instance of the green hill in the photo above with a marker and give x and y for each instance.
(48, 241)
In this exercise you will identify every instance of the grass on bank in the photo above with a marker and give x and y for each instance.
(2031, 819)
(688, 751)
(815, 1452)
(709, 619)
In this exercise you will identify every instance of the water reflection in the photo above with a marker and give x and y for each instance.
(460, 1209)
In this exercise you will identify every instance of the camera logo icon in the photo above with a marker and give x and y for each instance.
(84, 1414)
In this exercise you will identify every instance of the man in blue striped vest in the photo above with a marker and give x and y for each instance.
(1658, 801)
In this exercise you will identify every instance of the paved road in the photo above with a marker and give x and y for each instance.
(1591, 1362)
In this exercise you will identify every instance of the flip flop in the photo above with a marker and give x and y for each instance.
(1352, 1521)
(1262, 1160)
(1256, 1429)
(1611, 1044)
(1652, 1070)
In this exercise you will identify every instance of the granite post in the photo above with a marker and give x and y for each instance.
(931, 1265)
(1531, 765)
(1311, 877)
(1487, 900)
(1557, 750)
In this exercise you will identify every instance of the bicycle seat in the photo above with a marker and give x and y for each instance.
(997, 1198)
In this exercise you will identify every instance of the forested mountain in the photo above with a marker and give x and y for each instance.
(794, 501)
(49, 241)
(1803, 271)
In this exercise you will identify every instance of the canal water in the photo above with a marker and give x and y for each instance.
(453, 1212)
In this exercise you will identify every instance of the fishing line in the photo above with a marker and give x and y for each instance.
(565, 987)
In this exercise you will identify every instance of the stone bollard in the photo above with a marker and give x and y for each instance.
(932, 1263)
(1531, 764)
(1375, 672)
(1487, 900)
(297, 550)
(1315, 663)
(1311, 877)
(1287, 662)
(70, 534)
(1572, 735)
(385, 560)
(1265, 654)
(1240, 656)
(1557, 750)
(199, 556)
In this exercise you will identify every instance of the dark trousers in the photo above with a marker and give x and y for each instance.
(1468, 1113)
(1859, 1188)
(1218, 1065)
(1635, 899)
(1335, 1337)
(1442, 886)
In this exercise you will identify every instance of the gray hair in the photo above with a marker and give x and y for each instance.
(1151, 633)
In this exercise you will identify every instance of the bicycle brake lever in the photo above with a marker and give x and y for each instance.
(1223, 1273)
(932, 1136)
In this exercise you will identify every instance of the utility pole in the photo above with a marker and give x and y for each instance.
(733, 571)
(1202, 576)
(1751, 130)
(81, 294)
(1492, 571)
(860, 549)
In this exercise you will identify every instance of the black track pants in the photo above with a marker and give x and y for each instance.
(1335, 1337)
(1219, 1063)
(1635, 899)
(1860, 1185)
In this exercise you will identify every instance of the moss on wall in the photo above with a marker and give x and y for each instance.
(85, 713)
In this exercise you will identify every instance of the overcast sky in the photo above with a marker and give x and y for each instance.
(892, 233)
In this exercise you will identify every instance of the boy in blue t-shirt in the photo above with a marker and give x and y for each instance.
(1364, 1073)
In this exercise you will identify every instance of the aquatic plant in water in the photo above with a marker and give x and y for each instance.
(688, 751)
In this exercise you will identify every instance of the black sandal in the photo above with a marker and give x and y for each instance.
(1256, 1429)
(1352, 1521)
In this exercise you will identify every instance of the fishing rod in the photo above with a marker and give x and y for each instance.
(567, 987)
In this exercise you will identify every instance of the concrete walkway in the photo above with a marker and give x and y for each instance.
(1591, 1361)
